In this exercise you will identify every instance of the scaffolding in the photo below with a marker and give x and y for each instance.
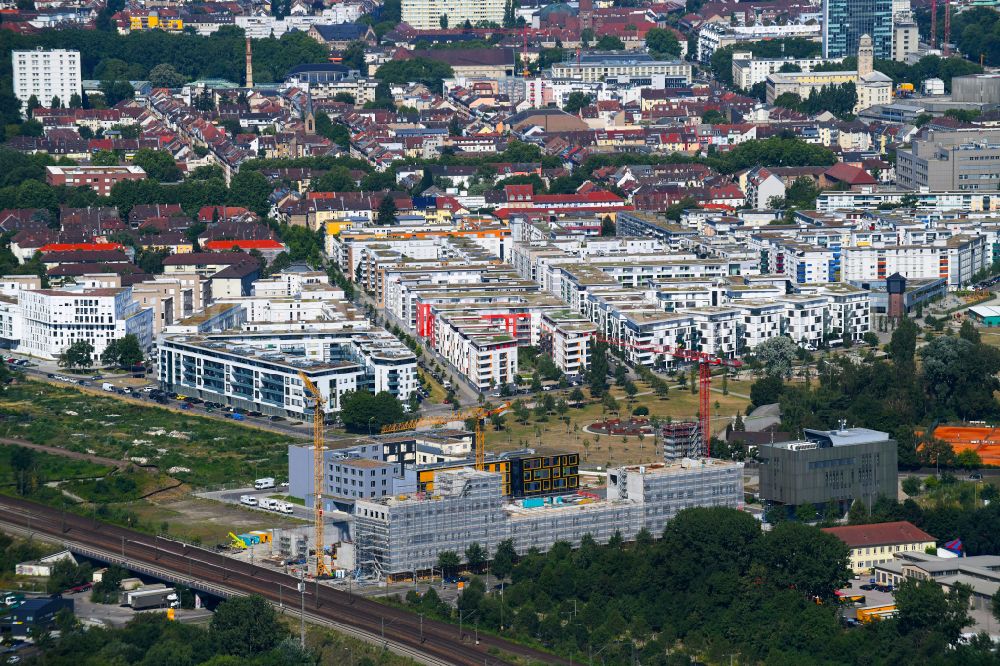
(679, 440)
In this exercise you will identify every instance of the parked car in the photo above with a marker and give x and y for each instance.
(867, 587)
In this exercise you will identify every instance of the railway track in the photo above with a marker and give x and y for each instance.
(436, 641)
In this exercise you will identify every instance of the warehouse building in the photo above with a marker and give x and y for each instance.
(398, 536)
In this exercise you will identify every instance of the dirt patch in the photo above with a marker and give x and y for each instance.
(207, 520)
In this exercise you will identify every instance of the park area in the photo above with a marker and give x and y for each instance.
(557, 432)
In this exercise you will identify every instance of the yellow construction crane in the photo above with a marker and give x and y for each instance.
(319, 446)
(479, 414)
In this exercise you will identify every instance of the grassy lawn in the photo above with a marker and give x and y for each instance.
(49, 467)
(196, 450)
(554, 435)
(437, 392)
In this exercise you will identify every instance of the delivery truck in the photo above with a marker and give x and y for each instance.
(151, 596)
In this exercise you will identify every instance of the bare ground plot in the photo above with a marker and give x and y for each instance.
(207, 521)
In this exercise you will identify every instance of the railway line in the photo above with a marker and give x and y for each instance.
(430, 641)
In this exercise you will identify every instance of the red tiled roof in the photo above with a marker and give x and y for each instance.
(244, 245)
(853, 175)
(82, 247)
(880, 534)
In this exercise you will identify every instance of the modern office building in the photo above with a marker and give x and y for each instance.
(260, 371)
(829, 467)
(948, 160)
(398, 536)
(845, 21)
(46, 74)
(427, 14)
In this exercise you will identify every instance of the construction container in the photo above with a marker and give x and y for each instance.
(265, 537)
(249, 539)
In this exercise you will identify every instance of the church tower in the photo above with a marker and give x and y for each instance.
(866, 56)
(249, 65)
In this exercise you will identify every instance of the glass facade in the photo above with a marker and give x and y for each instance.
(844, 21)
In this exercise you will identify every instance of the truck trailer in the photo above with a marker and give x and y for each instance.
(151, 596)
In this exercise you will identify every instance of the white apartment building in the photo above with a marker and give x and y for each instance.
(759, 321)
(957, 259)
(46, 74)
(260, 371)
(805, 319)
(717, 330)
(482, 351)
(749, 71)
(849, 310)
(426, 14)
(566, 336)
(714, 36)
(52, 319)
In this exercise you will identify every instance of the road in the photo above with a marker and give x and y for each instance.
(429, 641)
(466, 392)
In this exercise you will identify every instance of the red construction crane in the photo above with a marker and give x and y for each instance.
(705, 364)
(946, 44)
(933, 23)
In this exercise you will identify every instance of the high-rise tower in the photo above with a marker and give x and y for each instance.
(249, 65)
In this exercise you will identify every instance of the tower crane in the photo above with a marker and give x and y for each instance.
(319, 446)
(705, 364)
(479, 414)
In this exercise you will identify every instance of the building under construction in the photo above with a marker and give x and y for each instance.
(680, 439)
(399, 536)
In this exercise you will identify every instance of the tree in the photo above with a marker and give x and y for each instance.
(448, 562)
(116, 91)
(968, 332)
(75, 101)
(125, 352)
(712, 117)
(158, 164)
(576, 101)
(662, 43)
(387, 212)
(775, 356)
(337, 179)
(912, 485)
(804, 558)
(250, 189)
(924, 607)
(504, 559)
(55, 103)
(475, 555)
(805, 513)
(597, 373)
(415, 70)
(576, 396)
(443, 21)
(609, 403)
(362, 411)
(353, 57)
(610, 43)
(22, 463)
(165, 76)
(586, 36)
(32, 104)
(903, 345)
(959, 378)
(79, 354)
(246, 626)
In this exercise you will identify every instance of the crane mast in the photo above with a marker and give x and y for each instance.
(319, 447)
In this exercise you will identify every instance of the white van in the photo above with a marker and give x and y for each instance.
(264, 484)
(248, 500)
(108, 386)
(285, 507)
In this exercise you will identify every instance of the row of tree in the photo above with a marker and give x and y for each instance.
(714, 587)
